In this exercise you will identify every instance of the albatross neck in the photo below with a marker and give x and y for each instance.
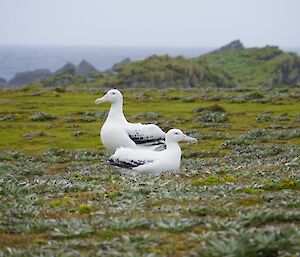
(173, 147)
(116, 112)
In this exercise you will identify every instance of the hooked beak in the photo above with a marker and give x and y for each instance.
(101, 100)
(189, 139)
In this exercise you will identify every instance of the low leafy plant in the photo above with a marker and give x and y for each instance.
(282, 184)
(10, 155)
(215, 117)
(175, 224)
(212, 108)
(40, 116)
(258, 243)
(34, 134)
(147, 116)
(121, 224)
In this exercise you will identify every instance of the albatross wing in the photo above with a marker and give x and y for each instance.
(145, 134)
(131, 158)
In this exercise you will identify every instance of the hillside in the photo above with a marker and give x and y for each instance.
(267, 66)
(227, 66)
(166, 71)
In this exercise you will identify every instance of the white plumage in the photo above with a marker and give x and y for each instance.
(147, 161)
(118, 132)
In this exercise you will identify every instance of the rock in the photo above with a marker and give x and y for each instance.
(69, 67)
(23, 78)
(84, 69)
(70, 73)
(236, 44)
(124, 61)
(112, 70)
(3, 82)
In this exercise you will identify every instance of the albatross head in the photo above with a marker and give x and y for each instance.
(112, 96)
(176, 135)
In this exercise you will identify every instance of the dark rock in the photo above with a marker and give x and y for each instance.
(23, 78)
(112, 70)
(124, 61)
(3, 82)
(84, 69)
(236, 44)
(69, 67)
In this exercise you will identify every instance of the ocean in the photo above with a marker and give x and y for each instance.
(15, 59)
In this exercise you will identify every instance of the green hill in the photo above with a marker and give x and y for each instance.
(166, 71)
(225, 67)
(267, 66)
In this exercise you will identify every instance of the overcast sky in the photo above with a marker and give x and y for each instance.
(150, 22)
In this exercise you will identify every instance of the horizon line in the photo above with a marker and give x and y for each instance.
(133, 46)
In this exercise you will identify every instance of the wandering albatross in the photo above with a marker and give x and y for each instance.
(118, 132)
(154, 162)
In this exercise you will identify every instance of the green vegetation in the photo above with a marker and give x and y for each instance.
(237, 193)
(166, 71)
(265, 66)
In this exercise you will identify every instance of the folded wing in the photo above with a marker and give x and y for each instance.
(132, 158)
(145, 134)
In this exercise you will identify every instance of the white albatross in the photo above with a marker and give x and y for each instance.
(118, 132)
(147, 161)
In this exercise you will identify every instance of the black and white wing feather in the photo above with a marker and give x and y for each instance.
(132, 158)
(127, 164)
(146, 134)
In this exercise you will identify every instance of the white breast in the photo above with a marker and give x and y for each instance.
(113, 135)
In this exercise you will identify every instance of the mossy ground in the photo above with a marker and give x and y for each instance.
(237, 194)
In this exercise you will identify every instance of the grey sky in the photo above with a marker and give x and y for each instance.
(149, 22)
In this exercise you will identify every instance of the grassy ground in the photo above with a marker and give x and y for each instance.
(237, 194)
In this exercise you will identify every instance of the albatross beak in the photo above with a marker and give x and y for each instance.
(101, 100)
(189, 139)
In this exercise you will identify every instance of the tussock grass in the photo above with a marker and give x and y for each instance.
(237, 193)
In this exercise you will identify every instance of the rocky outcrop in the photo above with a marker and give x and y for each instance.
(118, 64)
(84, 69)
(68, 74)
(23, 78)
(112, 70)
(3, 82)
(236, 44)
(69, 67)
